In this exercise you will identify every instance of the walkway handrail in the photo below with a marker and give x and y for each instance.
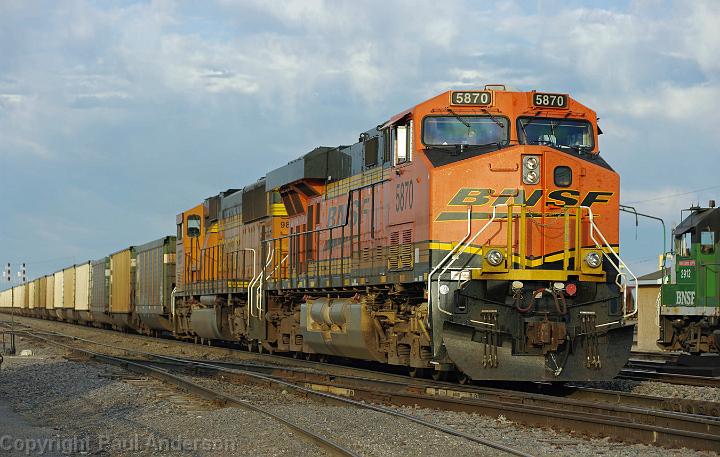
(249, 286)
(619, 266)
(595, 233)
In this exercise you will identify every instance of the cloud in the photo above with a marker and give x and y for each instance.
(147, 107)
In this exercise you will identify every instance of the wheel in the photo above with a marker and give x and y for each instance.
(417, 372)
(439, 375)
(309, 357)
(464, 379)
(296, 355)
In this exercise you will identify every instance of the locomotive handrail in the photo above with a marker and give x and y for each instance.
(277, 266)
(439, 265)
(259, 294)
(249, 286)
(446, 263)
(619, 266)
(465, 243)
(468, 243)
(336, 226)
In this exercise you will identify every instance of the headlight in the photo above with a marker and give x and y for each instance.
(531, 169)
(593, 259)
(532, 162)
(494, 257)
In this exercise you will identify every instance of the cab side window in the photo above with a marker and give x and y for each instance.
(684, 244)
(707, 242)
(402, 143)
(193, 226)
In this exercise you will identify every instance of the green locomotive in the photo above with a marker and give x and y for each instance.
(690, 303)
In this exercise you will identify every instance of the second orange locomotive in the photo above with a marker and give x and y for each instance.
(474, 233)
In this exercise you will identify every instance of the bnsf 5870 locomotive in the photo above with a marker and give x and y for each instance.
(475, 233)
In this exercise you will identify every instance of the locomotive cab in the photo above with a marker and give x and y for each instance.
(690, 304)
(525, 278)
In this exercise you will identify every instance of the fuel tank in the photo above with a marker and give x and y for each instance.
(339, 326)
(208, 323)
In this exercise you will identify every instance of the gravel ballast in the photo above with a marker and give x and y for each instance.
(122, 414)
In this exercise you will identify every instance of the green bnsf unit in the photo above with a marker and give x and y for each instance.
(690, 304)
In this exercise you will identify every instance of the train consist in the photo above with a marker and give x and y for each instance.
(475, 233)
(690, 303)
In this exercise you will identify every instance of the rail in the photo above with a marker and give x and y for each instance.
(151, 367)
(143, 367)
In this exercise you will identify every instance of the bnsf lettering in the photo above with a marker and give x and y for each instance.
(596, 197)
(531, 200)
(685, 297)
(471, 197)
(563, 197)
(337, 214)
(505, 196)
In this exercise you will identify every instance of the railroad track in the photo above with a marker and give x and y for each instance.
(657, 357)
(167, 377)
(572, 391)
(673, 368)
(618, 421)
(577, 392)
(163, 372)
(679, 405)
(648, 373)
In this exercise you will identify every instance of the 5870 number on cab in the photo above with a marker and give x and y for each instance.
(549, 100)
(476, 97)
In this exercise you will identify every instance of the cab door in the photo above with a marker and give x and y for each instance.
(708, 269)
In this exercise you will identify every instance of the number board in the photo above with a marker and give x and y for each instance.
(686, 273)
(474, 97)
(550, 100)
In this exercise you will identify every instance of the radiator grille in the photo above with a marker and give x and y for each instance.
(400, 256)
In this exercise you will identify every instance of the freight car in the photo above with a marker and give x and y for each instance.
(690, 303)
(475, 233)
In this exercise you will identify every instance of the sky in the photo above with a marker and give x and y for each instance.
(117, 115)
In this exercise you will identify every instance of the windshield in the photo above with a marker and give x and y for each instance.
(555, 132)
(470, 130)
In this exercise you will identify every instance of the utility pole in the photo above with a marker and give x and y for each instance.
(7, 274)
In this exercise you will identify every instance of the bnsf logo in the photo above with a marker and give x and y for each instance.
(685, 297)
(564, 197)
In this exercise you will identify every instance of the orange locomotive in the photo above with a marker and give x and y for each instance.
(475, 233)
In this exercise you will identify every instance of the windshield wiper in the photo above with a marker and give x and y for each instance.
(523, 125)
(580, 148)
(460, 148)
(457, 116)
(502, 126)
